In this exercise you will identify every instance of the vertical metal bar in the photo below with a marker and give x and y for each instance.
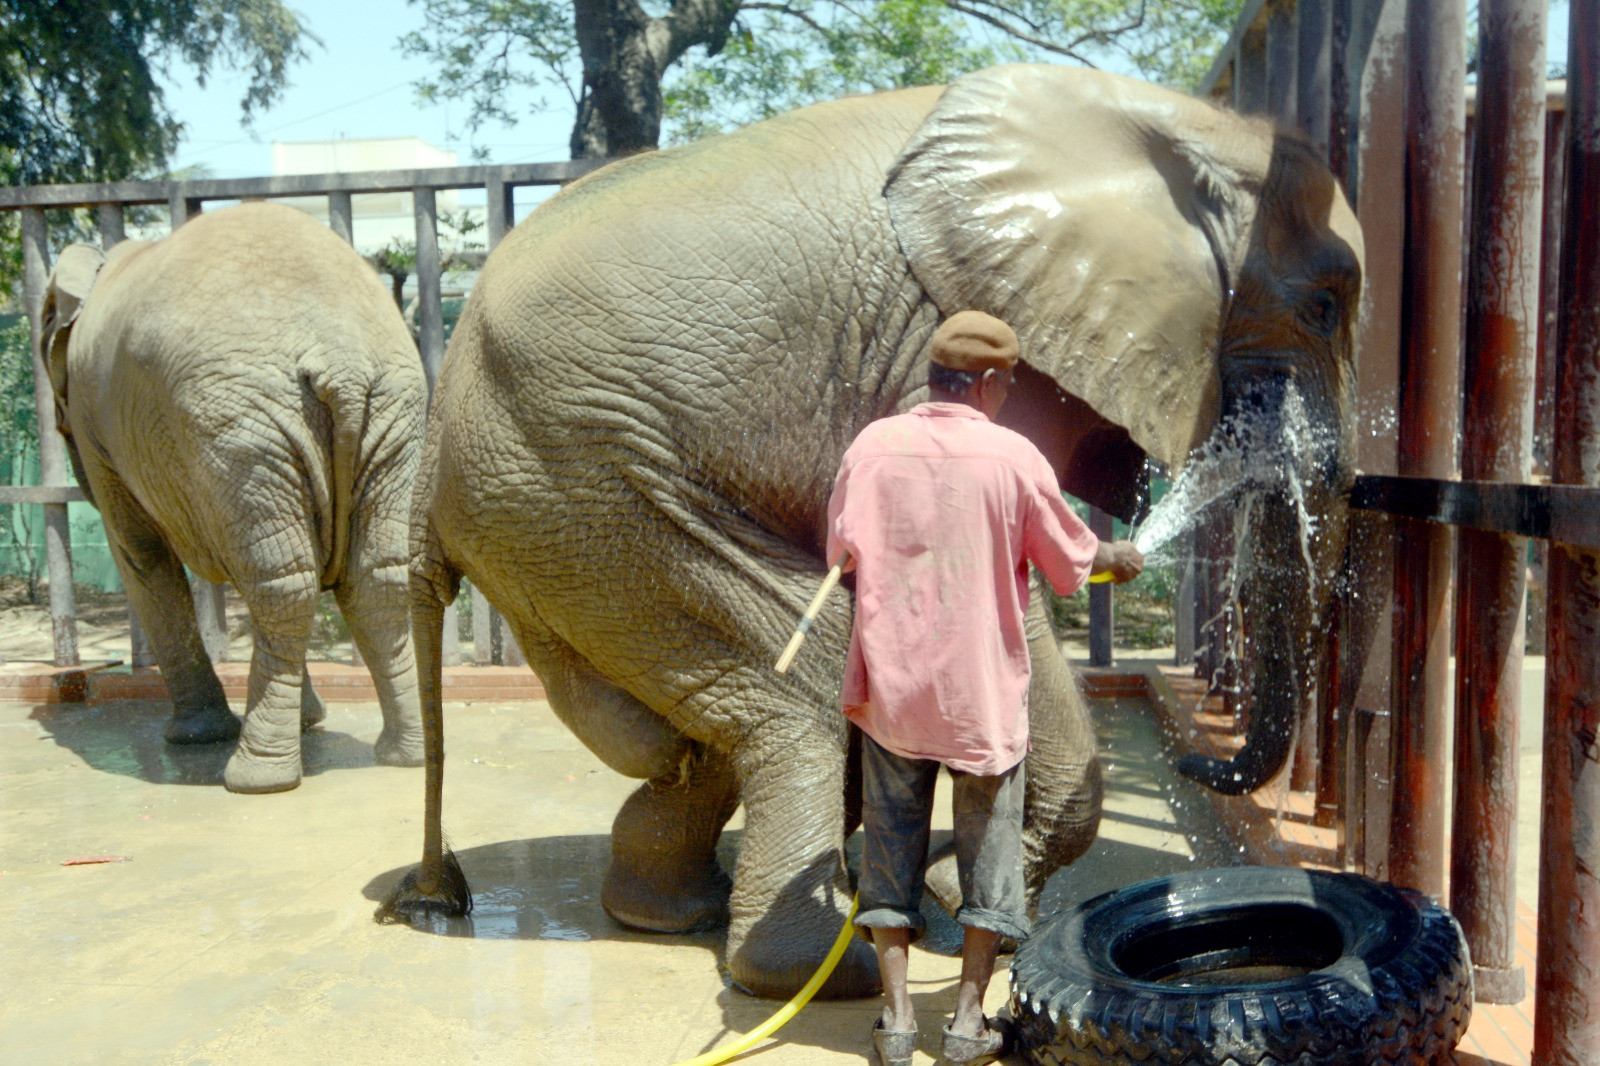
(210, 600)
(1375, 71)
(211, 615)
(1251, 95)
(341, 216)
(1303, 767)
(1283, 49)
(52, 450)
(1341, 95)
(482, 629)
(1549, 286)
(1330, 698)
(1313, 94)
(510, 650)
(1496, 445)
(1184, 605)
(108, 217)
(1566, 1027)
(430, 314)
(500, 210)
(1431, 327)
(1101, 620)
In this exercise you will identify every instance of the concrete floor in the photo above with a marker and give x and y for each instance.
(238, 929)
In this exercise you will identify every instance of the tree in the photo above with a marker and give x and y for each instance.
(707, 65)
(80, 98)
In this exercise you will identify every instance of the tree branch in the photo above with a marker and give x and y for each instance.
(1107, 35)
(1019, 34)
(785, 9)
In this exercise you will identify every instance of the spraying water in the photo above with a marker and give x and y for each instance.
(1243, 458)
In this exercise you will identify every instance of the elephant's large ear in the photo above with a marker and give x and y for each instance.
(1100, 218)
(74, 275)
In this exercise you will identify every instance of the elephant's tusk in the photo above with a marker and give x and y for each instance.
(802, 997)
(810, 615)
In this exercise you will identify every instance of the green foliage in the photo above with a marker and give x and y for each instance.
(79, 93)
(397, 260)
(79, 98)
(486, 51)
(19, 431)
(501, 56)
(786, 55)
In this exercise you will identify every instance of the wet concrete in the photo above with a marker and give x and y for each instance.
(237, 929)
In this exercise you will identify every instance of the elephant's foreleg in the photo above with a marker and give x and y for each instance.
(268, 756)
(158, 592)
(791, 893)
(664, 874)
(373, 601)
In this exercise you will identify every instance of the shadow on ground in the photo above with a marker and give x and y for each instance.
(124, 737)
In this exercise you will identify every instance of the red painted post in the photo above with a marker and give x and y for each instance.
(1431, 332)
(1566, 1028)
(1496, 445)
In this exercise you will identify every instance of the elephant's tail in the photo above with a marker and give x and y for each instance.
(438, 885)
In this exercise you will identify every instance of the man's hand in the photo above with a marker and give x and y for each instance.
(1120, 558)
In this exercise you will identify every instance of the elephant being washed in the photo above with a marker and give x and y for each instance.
(642, 410)
(243, 398)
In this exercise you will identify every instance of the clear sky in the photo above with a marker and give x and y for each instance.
(356, 84)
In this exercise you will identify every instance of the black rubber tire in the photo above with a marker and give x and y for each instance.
(1347, 970)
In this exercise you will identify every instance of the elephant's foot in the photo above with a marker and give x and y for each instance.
(251, 773)
(395, 747)
(312, 712)
(209, 725)
(773, 959)
(663, 899)
(421, 895)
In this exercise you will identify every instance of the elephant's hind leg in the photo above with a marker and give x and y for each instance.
(160, 595)
(373, 601)
(281, 611)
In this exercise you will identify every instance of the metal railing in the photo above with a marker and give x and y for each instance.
(184, 200)
(1478, 321)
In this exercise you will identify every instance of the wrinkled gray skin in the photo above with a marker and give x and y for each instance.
(243, 398)
(642, 410)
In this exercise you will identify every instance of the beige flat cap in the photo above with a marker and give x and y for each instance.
(974, 341)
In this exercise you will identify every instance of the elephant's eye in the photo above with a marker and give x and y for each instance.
(1321, 311)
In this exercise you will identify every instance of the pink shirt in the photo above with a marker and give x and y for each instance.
(941, 511)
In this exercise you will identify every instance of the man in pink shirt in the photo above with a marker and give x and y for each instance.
(940, 512)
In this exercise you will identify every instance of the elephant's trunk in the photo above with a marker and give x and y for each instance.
(1288, 535)
(1276, 608)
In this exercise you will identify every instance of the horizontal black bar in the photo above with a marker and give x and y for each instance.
(1566, 513)
(369, 181)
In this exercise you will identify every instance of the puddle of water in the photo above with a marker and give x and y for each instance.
(511, 912)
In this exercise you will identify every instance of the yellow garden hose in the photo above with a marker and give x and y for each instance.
(789, 1009)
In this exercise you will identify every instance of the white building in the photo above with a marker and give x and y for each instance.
(378, 218)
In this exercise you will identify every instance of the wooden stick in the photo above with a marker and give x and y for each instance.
(806, 619)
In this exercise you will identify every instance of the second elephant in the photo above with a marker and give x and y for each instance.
(243, 398)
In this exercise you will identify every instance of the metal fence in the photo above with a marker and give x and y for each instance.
(1479, 332)
(184, 200)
